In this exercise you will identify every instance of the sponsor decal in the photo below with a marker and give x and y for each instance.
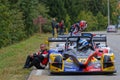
(69, 66)
(70, 69)
(95, 70)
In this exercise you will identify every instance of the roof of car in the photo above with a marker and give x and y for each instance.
(111, 26)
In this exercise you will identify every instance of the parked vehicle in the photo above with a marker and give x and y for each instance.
(112, 28)
(118, 26)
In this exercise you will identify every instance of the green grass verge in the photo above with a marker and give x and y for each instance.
(12, 58)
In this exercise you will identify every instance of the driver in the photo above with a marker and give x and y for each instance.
(83, 46)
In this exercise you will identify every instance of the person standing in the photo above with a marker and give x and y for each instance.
(61, 27)
(53, 23)
(56, 27)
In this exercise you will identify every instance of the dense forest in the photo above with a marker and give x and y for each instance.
(17, 16)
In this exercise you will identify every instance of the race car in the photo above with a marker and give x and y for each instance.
(57, 64)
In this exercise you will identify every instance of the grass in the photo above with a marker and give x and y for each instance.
(12, 58)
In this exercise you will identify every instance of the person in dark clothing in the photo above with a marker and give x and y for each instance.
(61, 27)
(57, 26)
(75, 30)
(38, 59)
(53, 23)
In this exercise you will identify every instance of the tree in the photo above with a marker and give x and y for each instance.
(11, 24)
(113, 11)
(56, 9)
(67, 22)
(101, 20)
(94, 6)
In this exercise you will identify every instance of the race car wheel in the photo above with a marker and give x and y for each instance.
(107, 62)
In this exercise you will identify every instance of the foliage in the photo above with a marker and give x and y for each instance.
(11, 25)
(29, 11)
(56, 9)
(16, 16)
(101, 21)
(67, 21)
(72, 9)
(16, 19)
(46, 28)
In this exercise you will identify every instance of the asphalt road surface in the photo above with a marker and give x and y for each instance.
(113, 41)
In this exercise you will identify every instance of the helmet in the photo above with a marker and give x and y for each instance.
(82, 44)
(60, 47)
(83, 24)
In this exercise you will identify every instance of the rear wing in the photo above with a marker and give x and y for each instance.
(93, 37)
(88, 36)
(82, 34)
(57, 39)
(96, 37)
(100, 38)
(71, 39)
(63, 36)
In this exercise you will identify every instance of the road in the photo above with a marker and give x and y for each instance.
(113, 42)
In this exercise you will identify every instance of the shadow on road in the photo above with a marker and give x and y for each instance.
(82, 74)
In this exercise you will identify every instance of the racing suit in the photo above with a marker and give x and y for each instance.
(39, 60)
(75, 30)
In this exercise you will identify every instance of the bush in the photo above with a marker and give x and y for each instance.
(46, 28)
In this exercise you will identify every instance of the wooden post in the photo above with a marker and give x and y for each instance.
(40, 21)
(40, 26)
